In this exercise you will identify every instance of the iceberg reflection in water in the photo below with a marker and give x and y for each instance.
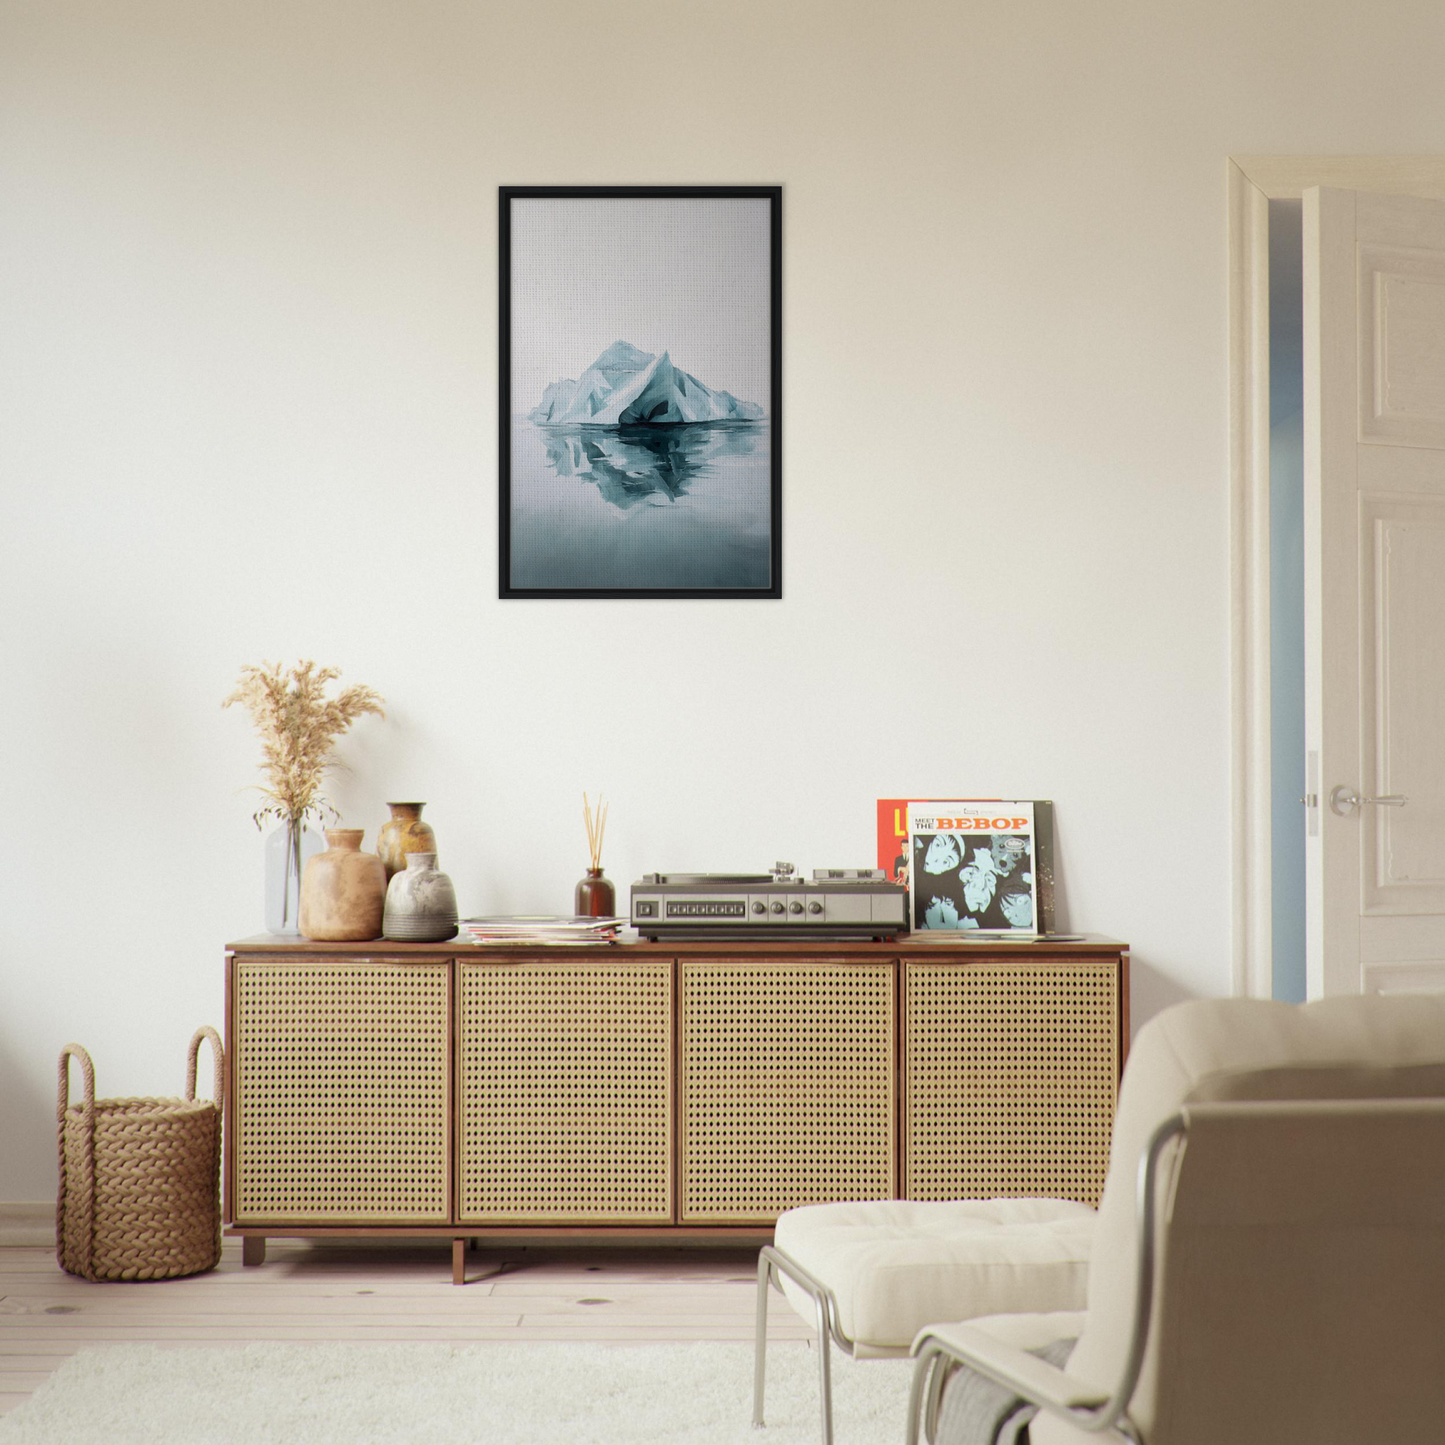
(674, 506)
(630, 463)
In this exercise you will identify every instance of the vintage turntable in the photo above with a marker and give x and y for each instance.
(834, 903)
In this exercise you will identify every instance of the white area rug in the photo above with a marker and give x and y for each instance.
(490, 1394)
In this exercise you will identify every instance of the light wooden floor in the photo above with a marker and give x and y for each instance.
(381, 1292)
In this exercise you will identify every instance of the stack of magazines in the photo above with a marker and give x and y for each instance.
(547, 928)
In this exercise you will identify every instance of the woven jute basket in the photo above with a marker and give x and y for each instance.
(139, 1178)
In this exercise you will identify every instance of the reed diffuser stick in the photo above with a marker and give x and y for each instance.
(596, 823)
(595, 897)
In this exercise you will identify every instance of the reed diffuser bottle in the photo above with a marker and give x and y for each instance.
(595, 896)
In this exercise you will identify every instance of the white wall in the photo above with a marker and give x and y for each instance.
(248, 290)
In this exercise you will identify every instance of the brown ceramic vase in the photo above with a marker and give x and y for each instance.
(343, 890)
(594, 896)
(403, 833)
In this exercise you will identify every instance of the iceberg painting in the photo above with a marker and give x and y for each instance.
(625, 386)
(630, 475)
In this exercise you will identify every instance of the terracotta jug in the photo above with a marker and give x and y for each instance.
(404, 833)
(343, 890)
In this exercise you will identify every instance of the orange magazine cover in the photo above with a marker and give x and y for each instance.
(893, 832)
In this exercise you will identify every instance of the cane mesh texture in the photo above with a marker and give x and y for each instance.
(1011, 1075)
(787, 1086)
(566, 1091)
(342, 1077)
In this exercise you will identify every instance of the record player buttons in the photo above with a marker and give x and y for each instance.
(759, 906)
(795, 907)
(815, 907)
(777, 908)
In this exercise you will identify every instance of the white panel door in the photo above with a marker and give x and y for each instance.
(1374, 277)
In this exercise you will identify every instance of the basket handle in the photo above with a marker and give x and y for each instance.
(218, 1055)
(87, 1070)
(84, 1186)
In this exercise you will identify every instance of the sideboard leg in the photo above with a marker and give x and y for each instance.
(459, 1261)
(253, 1249)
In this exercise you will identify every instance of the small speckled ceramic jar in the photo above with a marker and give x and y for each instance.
(343, 890)
(421, 904)
(403, 833)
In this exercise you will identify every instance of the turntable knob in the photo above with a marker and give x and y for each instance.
(777, 908)
(795, 907)
(815, 907)
(759, 906)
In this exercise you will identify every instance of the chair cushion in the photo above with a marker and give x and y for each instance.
(896, 1265)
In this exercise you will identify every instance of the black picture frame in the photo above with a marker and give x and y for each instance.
(507, 195)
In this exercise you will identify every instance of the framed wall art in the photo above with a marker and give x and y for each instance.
(640, 391)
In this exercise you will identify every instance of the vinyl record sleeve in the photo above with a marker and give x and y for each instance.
(894, 856)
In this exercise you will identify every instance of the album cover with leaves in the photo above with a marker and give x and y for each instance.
(981, 865)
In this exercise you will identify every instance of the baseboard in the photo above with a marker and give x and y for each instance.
(29, 1223)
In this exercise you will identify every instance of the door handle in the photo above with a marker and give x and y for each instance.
(1344, 800)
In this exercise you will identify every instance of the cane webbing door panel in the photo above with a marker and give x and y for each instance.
(565, 1073)
(1010, 1076)
(342, 1091)
(787, 1078)
(641, 1089)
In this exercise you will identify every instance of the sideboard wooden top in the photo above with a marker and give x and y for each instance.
(905, 945)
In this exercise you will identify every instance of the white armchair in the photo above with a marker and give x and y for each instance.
(1269, 1259)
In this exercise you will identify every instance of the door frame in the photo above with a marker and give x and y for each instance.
(1254, 181)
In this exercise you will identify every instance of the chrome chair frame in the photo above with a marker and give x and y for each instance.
(771, 1264)
(937, 1358)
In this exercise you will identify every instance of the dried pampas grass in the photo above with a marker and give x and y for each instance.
(298, 724)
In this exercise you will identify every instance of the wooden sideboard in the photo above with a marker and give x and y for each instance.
(657, 1091)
